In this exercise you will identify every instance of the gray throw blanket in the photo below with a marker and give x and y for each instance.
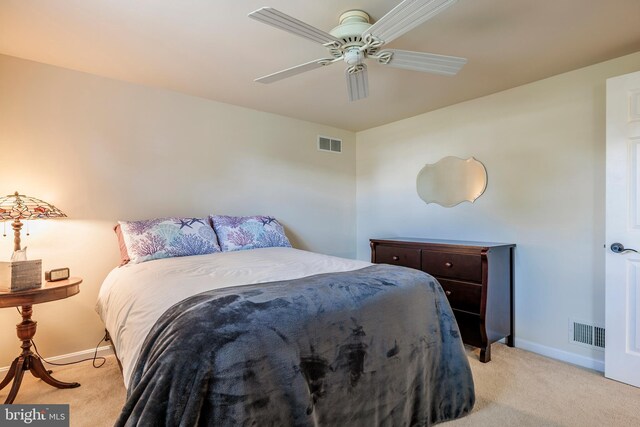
(372, 347)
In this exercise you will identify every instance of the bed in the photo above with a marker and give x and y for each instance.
(280, 336)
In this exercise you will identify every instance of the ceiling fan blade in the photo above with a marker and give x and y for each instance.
(422, 61)
(357, 82)
(275, 18)
(298, 69)
(405, 17)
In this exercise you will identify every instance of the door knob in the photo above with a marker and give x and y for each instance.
(619, 248)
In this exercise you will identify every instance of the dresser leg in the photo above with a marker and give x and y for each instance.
(510, 341)
(485, 353)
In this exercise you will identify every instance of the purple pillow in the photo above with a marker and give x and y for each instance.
(237, 233)
(168, 237)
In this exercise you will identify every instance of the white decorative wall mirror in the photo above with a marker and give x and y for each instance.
(451, 181)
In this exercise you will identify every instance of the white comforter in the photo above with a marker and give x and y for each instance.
(133, 297)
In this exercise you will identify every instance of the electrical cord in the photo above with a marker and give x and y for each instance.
(93, 359)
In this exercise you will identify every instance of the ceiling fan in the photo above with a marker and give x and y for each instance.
(355, 40)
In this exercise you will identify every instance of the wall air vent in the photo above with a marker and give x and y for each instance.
(326, 143)
(585, 334)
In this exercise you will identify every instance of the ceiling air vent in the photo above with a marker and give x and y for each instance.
(585, 334)
(326, 143)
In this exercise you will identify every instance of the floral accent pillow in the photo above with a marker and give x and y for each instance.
(168, 237)
(237, 233)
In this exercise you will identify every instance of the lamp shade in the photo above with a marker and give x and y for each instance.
(17, 206)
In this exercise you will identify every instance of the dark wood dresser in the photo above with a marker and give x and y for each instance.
(477, 278)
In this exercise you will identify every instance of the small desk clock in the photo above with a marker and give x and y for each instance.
(56, 274)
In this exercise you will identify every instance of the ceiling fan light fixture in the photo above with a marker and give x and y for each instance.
(353, 56)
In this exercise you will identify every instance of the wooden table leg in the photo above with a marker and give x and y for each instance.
(17, 380)
(39, 371)
(28, 361)
(12, 373)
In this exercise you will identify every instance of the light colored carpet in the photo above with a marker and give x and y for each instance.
(516, 388)
(96, 403)
(519, 388)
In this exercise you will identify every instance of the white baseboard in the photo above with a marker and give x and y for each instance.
(74, 357)
(543, 350)
(565, 356)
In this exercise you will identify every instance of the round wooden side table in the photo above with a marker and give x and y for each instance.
(29, 361)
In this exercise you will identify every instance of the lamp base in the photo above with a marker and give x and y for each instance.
(17, 226)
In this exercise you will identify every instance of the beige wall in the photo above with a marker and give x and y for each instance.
(543, 145)
(103, 150)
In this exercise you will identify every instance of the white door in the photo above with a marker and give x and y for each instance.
(622, 347)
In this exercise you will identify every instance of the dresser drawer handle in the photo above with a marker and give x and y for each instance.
(395, 258)
(447, 293)
(448, 264)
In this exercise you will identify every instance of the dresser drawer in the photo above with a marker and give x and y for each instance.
(462, 296)
(476, 276)
(470, 328)
(406, 257)
(452, 265)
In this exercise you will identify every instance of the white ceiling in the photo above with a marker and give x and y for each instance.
(211, 49)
